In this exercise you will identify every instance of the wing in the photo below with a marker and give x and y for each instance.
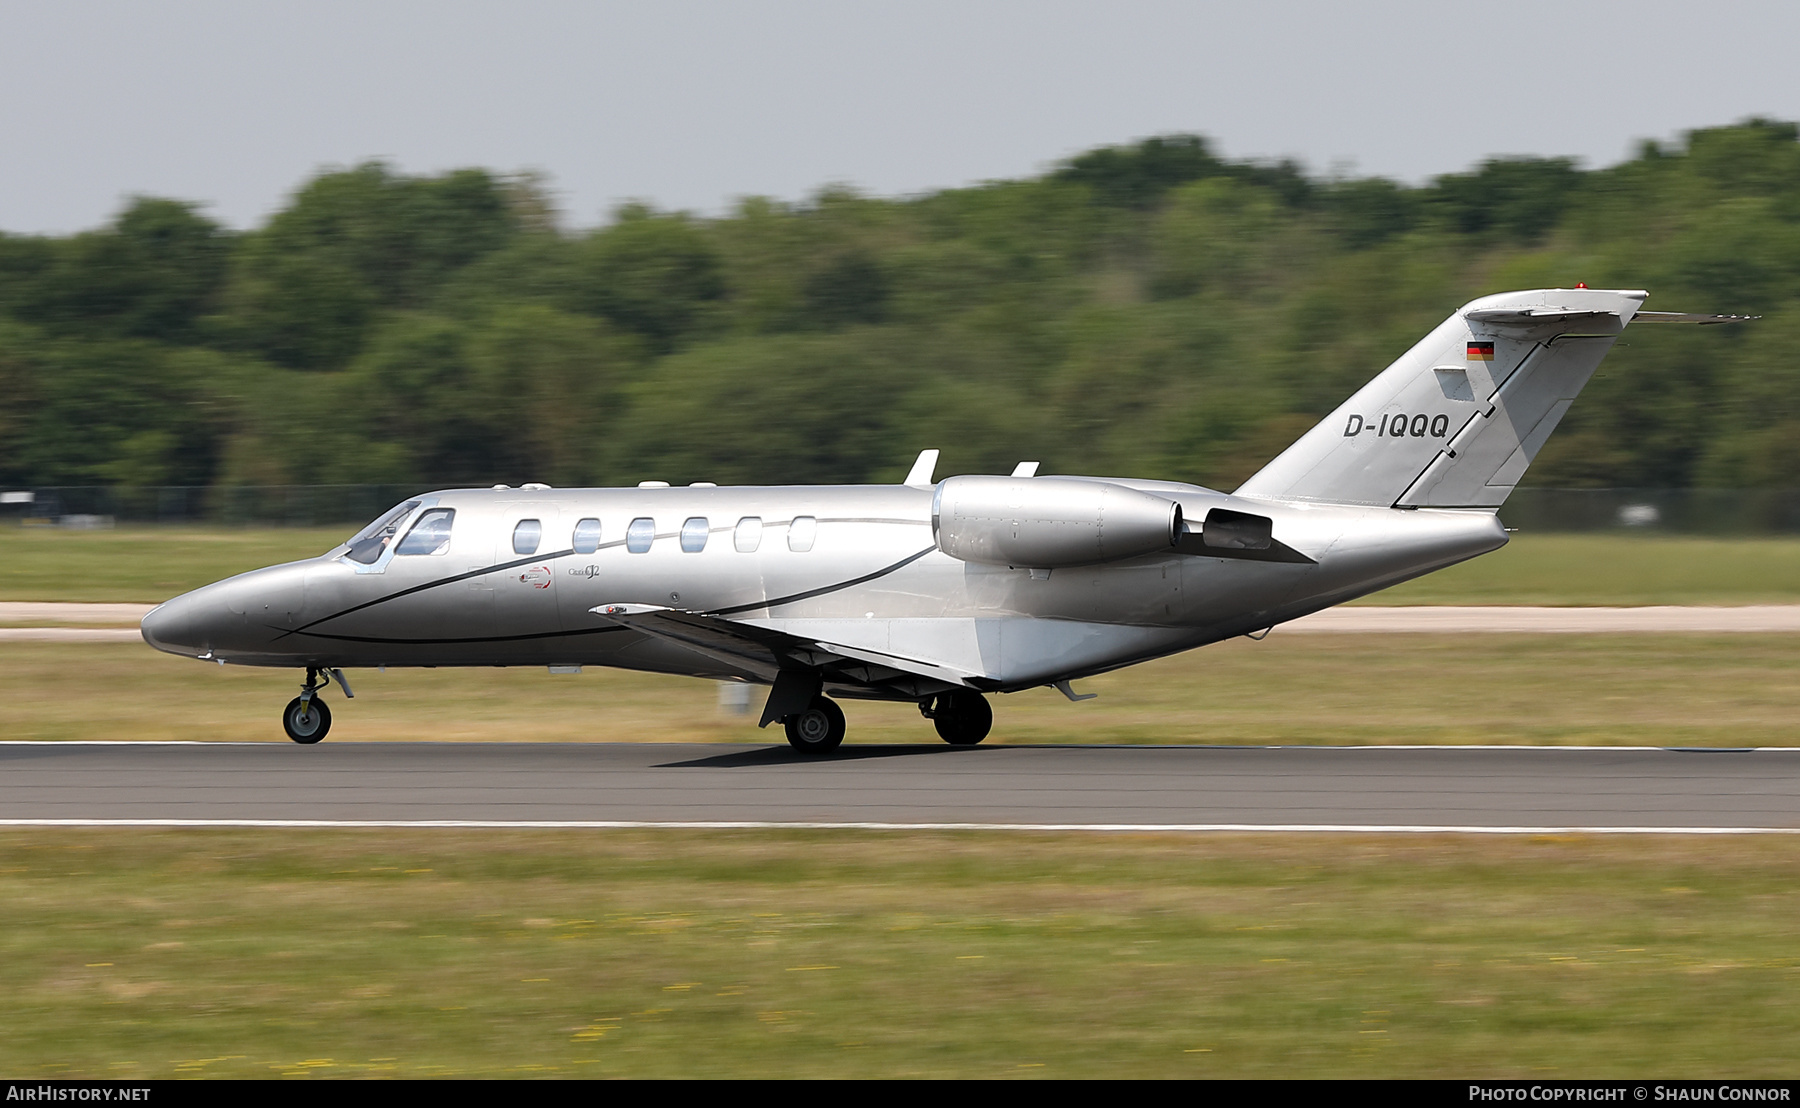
(763, 653)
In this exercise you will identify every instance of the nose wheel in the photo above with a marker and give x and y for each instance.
(306, 719)
(962, 718)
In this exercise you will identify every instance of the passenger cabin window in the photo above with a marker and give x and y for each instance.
(693, 535)
(367, 544)
(802, 532)
(431, 535)
(527, 535)
(748, 535)
(586, 539)
(640, 535)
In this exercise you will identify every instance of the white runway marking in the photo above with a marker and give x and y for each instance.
(781, 825)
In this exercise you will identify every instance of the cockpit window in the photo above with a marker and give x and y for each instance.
(586, 539)
(431, 535)
(527, 535)
(367, 544)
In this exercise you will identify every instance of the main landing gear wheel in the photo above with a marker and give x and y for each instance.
(306, 719)
(818, 729)
(962, 718)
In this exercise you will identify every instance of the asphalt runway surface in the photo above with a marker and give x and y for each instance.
(1535, 789)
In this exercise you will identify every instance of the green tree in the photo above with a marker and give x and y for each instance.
(652, 275)
(307, 288)
(151, 274)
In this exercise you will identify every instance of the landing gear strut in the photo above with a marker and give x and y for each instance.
(306, 719)
(962, 718)
(818, 729)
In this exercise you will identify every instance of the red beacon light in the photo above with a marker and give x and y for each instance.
(1581, 284)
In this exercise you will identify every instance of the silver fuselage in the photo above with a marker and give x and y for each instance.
(871, 579)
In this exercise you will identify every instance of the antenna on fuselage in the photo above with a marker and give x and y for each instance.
(922, 471)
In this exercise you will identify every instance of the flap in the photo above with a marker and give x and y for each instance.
(763, 652)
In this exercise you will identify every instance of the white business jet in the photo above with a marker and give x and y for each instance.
(936, 592)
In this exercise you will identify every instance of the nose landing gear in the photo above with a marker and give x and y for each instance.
(306, 719)
(962, 718)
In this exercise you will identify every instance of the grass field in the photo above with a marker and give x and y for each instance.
(129, 954)
(133, 954)
(1635, 690)
(151, 564)
(143, 564)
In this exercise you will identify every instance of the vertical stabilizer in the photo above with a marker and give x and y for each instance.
(1456, 420)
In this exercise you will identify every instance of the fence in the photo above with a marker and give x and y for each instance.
(1668, 511)
(264, 505)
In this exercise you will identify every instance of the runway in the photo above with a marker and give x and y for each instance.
(1472, 789)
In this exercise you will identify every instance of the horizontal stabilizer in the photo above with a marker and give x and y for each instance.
(1534, 315)
(1690, 317)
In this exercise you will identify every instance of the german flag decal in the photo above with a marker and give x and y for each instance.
(1481, 352)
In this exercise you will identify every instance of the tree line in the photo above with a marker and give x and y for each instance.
(1150, 309)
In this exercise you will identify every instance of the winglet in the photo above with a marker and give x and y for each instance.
(920, 475)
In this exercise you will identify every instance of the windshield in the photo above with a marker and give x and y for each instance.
(367, 544)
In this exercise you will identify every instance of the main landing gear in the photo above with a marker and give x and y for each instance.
(817, 729)
(962, 718)
(306, 719)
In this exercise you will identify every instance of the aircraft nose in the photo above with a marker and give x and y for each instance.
(178, 626)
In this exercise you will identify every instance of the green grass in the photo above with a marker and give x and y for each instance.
(143, 564)
(151, 564)
(132, 954)
(1655, 690)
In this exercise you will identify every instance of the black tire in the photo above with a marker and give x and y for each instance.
(818, 730)
(962, 718)
(306, 723)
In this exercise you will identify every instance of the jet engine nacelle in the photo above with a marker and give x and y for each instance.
(1047, 522)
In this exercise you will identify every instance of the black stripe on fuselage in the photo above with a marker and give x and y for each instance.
(451, 580)
(810, 593)
(434, 584)
(457, 642)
